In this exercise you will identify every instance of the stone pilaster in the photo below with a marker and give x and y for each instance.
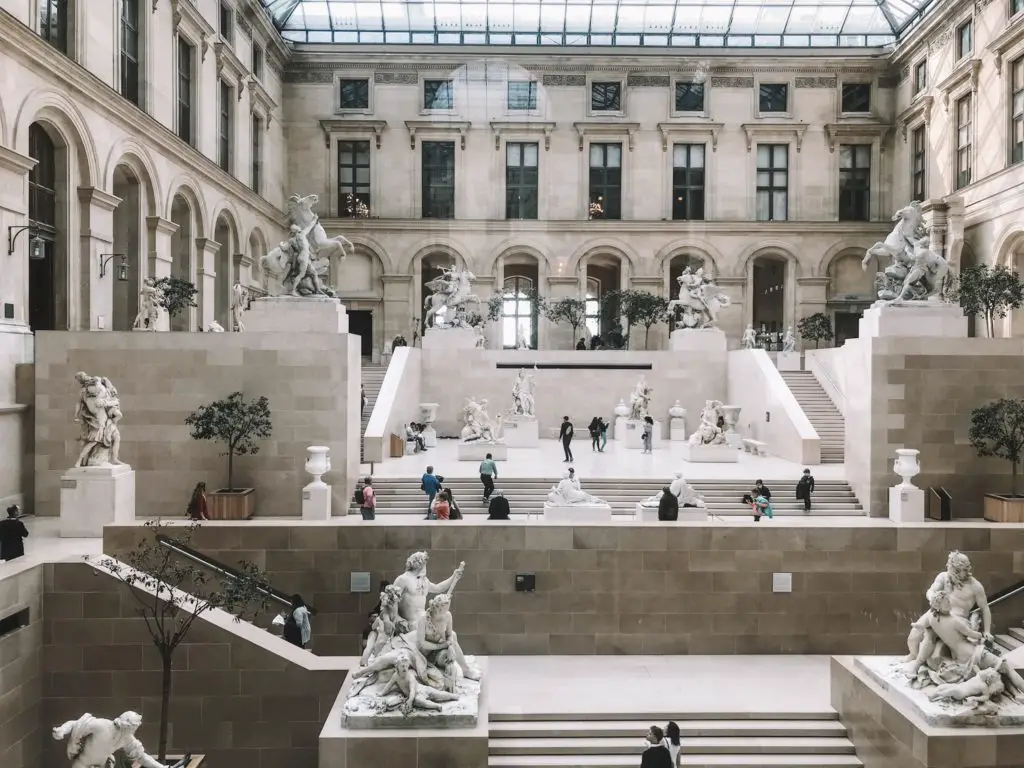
(206, 275)
(811, 297)
(398, 309)
(96, 305)
(160, 255)
(14, 169)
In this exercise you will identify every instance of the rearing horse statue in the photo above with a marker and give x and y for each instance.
(324, 251)
(451, 291)
(899, 244)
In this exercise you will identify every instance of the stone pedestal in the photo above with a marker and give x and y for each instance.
(686, 514)
(710, 454)
(316, 502)
(449, 338)
(521, 433)
(906, 505)
(631, 432)
(677, 431)
(578, 513)
(296, 314)
(429, 436)
(789, 361)
(923, 318)
(703, 341)
(91, 497)
(479, 451)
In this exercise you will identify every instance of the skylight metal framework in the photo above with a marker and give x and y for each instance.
(648, 23)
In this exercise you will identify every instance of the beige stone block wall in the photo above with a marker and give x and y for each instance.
(21, 669)
(312, 382)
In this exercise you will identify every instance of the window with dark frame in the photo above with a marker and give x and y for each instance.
(772, 97)
(186, 54)
(256, 180)
(920, 76)
(130, 51)
(965, 39)
(1017, 110)
(42, 215)
(53, 23)
(354, 94)
(522, 94)
(227, 26)
(689, 97)
(606, 179)
(855, 182)
(438, 179)
(257, 61)
(518, 311)
(225, 126)
(438, 94)
(1016, 6)
(917, 167)
(688, 182)
(772, 182)
(606, 96)
(521, 180)
(353, 177)
(856, 98)
(963, 141)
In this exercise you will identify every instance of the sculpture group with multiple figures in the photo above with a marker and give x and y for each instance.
(711, 430)
(299, 265)
(446, 306)
(640, 400)
(522, 396)
(413, 660)
(699, 299)
(239, 303)
(569, 493)
(950, 657)
(92, 741)
(98, 413)
(685, 494)
(478, 426)
(151, 301)
(916, 272)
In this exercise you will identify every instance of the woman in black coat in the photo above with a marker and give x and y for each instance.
(498, 509)
(668, 505)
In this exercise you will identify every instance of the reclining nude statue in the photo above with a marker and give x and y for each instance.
(92, 741)
(569, 493)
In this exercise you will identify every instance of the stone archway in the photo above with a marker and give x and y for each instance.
(129, 241)
(850, 291)
(49, 216)
(183, 253)
(225, 234)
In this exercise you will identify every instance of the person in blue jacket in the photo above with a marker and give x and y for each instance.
(430, 485)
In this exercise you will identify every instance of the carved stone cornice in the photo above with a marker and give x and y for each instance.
(966, 71)
(1007, 39)
(187, 19)
(93, 196)
(260, 98)
(524, 127)
(919, 110)
(161, 226)
(335, 127)
(230, 67)
(773, 130)
(835, 132)
(15, 162)
(699, 128)
(445, 128)
(606, 128)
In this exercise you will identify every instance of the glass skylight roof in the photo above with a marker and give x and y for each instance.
(652, 23)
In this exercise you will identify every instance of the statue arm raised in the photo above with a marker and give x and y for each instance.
(448, 585)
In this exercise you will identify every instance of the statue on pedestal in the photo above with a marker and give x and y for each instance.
(569, 493)
(451, 293)
(239, 303)
(99, 413)
(478, 426)
(916, 271)
(151, 300)
(522, 395)
(749, 338)
(685, 493)
(299, 264)
(789, 341)
(92, 741)
(711, 430)
(699, 300)
(640, 400)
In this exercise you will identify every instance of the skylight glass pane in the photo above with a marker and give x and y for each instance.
(527, 17)
(552, 17)
(396, 16)
(474, 17)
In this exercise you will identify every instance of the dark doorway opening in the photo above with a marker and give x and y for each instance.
(847, 326)
(360, 322)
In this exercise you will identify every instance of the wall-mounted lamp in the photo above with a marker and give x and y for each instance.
(122, 266)
(35, 251)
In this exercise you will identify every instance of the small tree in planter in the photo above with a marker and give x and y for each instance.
(238, 424)
(997, 429)
(179, 295)
(816, 328)
(171, 592)
(640, 308)
(990, 292)
(570, 311)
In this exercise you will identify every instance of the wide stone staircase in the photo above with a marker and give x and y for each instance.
(724, 498)
(372, 378)
(771, 740)
(821, 412)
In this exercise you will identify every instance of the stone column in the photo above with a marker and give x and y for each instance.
(97, 237)
(206, 274)
(160, 256)
(14, 170)
(734, 318)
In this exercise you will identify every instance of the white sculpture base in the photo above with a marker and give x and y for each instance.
(677, 431)
(521, 432)
(789, 361)
(479, 451)
(704, 340)
(91, 497)
(429, 436)
(361, 712)
(578, 513)
(449, 338)
(906, 505)
(296, 314)
(686, 514)
(710, 454)
(920, 318)
(316, 501)
(631, 432)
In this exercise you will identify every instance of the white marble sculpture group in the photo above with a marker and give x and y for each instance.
(92, 741)
(447, 305)
(413, 672)
(522, 396)
(239, 303)
(685, 493)
(708, 431)
(640, 400)
(916, 272)
(699, 299)
(569, 493)
(749, 338)
(478, 426)
(98, 413)
(151, 300)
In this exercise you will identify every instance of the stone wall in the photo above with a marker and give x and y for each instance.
(311, 380)
(21, 669)
(627, 589)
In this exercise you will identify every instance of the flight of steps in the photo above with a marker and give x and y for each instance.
(802, 740)
(372, 378)
(826, 420)
(1011, 641)
(397, 496)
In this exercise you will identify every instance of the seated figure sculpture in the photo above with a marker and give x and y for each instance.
(708, 431)
(569, 493)
(478, 426)
(682, 490)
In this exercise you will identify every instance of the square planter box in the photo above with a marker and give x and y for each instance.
(1004, 509)
(231, 505)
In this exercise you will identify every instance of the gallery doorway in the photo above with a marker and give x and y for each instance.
(360, 323)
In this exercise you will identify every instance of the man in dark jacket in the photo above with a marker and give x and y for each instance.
(760, 489)
(804, 489)
(498, 509)
(565, 433)
(12, 534)
(656, 755)
(431, 484)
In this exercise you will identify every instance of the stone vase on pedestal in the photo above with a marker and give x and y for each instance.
(906, 500)
(677, 423)
(316, 497)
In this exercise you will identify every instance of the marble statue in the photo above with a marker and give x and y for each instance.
(239, 302)
(451, 293)
(99, 413)
(640, 400)
(749, 338)
(699, 299)
(151, 299)
(916, 272)
(478, 426)
(789, 341)
(682, 490)
(299, 264)
(214, 327)
(569, 493)
(522, 395)
(521, 341)
(92, 741)
(710, 431)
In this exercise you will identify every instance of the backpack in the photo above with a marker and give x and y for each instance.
(357, 497)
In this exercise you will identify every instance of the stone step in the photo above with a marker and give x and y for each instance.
(699, 745)
(526, 729)
(685, 761)
(657, 716)
(1009, 642)
(1017, 633)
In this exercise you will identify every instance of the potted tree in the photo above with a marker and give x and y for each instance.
(238, 424)
(990, 292)
(570, 311)
(177, 295)
(170, 593)
(816, 328)
(639, 308)
(997, 429)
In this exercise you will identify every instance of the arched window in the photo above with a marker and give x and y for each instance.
(518, 312)
(42, 215)
(593, 313)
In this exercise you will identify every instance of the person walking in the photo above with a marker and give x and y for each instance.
(368, 504)
(430, 484)
(498, 508)
(594, 428)
(565, 433)
(604, 435)
(804, 489)
(648, 436)
(488, 474)
(297, 629)
(12, 534)
(196, 509)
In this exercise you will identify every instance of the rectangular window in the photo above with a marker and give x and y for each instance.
(521, 178)
(353, 178)
(689, 97)
(917, 167)
(920, 76)
(854, 182)
(1017, 110)
(225, 126)
(438, 94)
(438, 179)
(53, 23)
(227, 26)
(606, 181)
(606, 97)
(856, 98)
(964, 39)
(772, 182)
(963, 142)
(185, 65)
(773, 97)
(257, 61)
(522, 94)
(688, 182)
(1016, 6)
(257, 154)
(130, 51)
(354, 94)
